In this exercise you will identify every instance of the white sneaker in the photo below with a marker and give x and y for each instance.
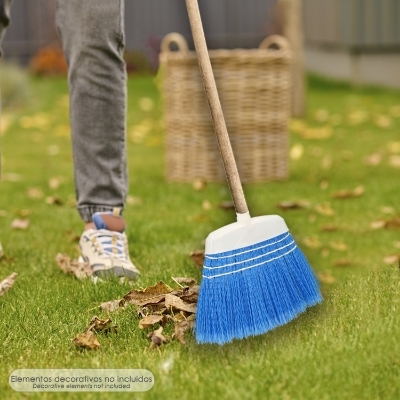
(106, 247)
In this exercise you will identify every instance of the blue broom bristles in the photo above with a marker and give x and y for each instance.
(249, 291)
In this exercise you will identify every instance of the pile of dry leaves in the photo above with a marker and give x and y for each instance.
(156, 306)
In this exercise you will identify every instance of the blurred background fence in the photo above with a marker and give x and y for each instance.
(354, 40)
(227, 23)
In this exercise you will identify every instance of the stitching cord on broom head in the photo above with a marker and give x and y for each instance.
(243, 259)
(248, 251)
(225, 147)
(252, 266)
(251, 259)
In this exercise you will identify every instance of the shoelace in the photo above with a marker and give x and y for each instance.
(110, 244)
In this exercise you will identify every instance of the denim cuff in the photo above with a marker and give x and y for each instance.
(86, 212)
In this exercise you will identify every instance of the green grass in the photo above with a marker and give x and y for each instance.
(346, 348)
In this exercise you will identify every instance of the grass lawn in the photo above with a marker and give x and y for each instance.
(346, 348)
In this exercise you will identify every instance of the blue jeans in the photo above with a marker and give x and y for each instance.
(92, 35)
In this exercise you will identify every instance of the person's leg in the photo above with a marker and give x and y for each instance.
(92, 35)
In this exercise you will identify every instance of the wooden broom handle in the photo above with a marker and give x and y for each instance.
(224, 143)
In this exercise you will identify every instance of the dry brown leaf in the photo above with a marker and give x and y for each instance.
(54, 200)
(349, 194)
(227, 205)
(150, 320)
(383, 121)
(191, 317)
(342, 263)
(151, 294)
(35, 193)
(296, 151)
(293, 204)
(186, 281)
(86, 340)
(74, 267)
(319, 133)
(312, 217)
(113, 305)
(98, 324)
(391, 259)
(54, 183)
(21, 224)
(206, 205)
(157, 338)
(378, 224)
(180, 329)
(142, 311)
(326, 277)
(393, 223)
(199, 184)
(324, 209)
(159, 304)
(179, 304)
(394, 161)
(101, 325)
(158, 309)
(183, 316)
(329, 228)
(11, 177)
(312, 242)
(154, 308)
(190, 295)
(297, 125)
(180, 316)
(373, 159)
(197, 257)
(338, 245)
(7, 283)
(325, 252)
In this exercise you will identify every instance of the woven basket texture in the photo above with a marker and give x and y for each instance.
(254, 89)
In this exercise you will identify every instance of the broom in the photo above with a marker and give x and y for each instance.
(255, 278)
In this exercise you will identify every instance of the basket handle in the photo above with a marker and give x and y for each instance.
(176, 38)
(216, 110)
(281, 42)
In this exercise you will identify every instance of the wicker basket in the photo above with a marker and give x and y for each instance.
(254, 88)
